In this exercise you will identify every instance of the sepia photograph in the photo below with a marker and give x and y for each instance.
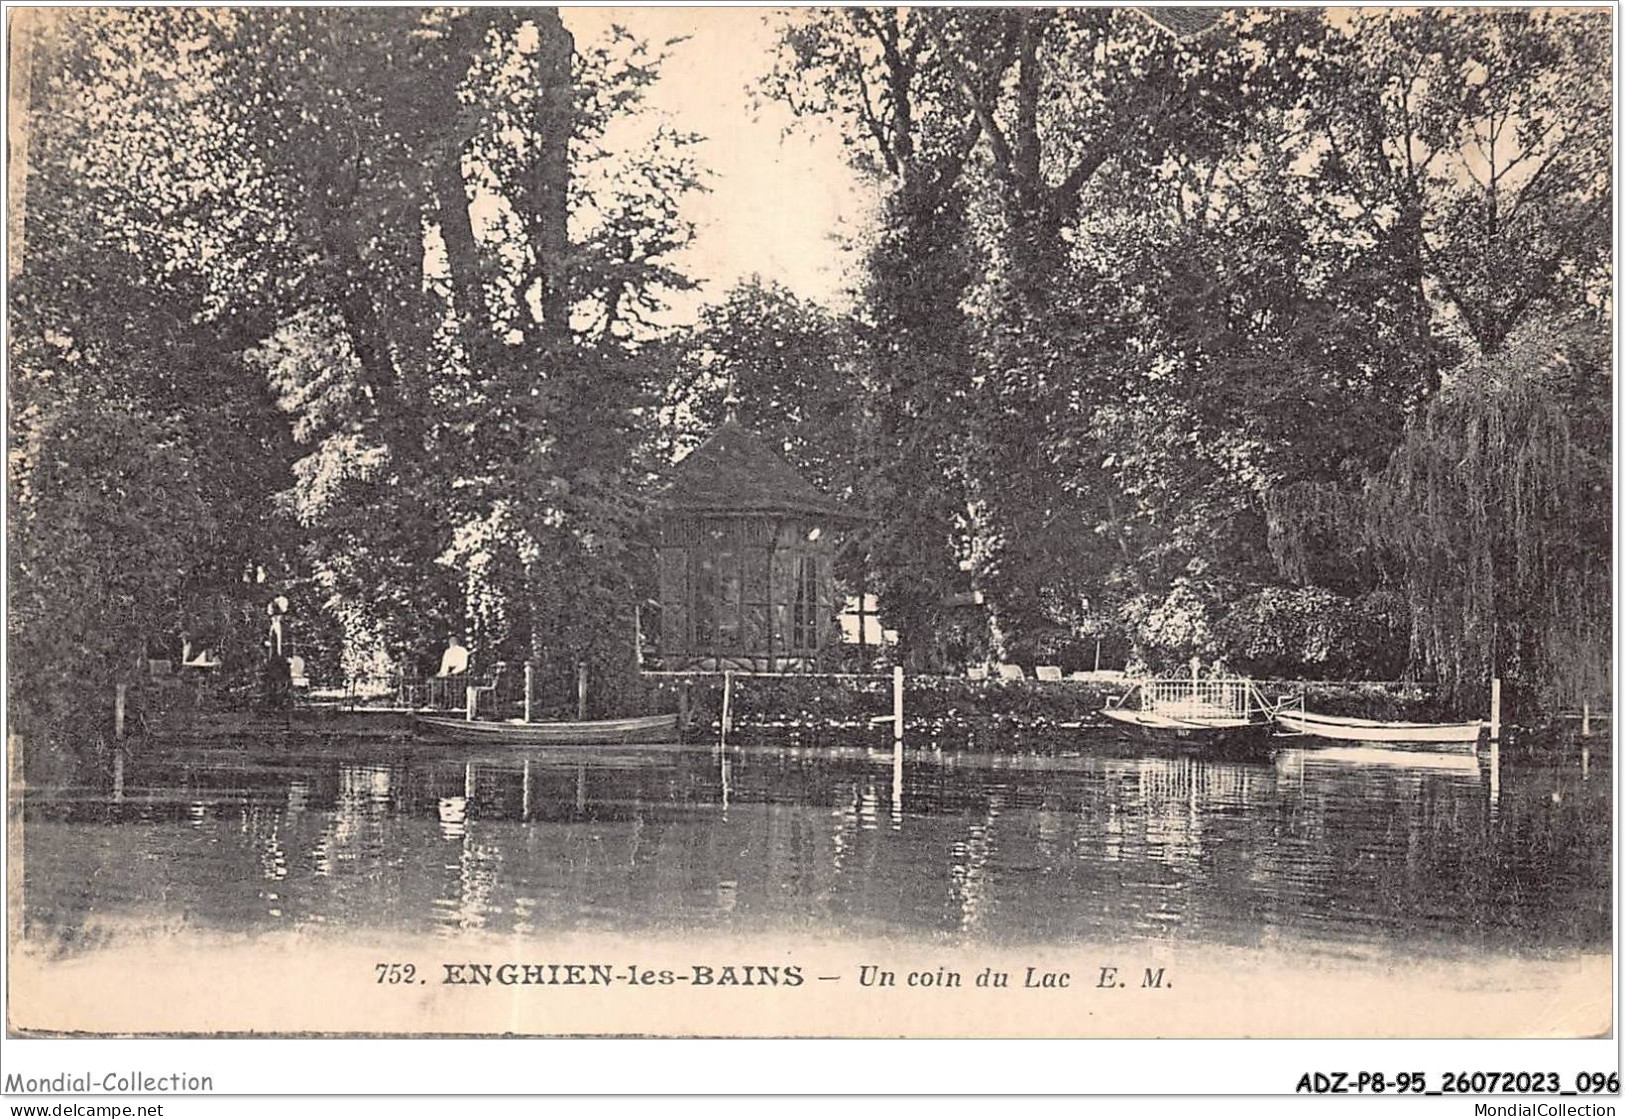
(919, 523)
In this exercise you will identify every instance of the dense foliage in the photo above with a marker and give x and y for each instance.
(347, 307)
(1283, 345)
(1262, 338)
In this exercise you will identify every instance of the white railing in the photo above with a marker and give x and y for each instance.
(1182, 697)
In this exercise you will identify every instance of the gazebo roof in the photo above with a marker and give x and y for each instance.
(1185, 21)
(735, 472)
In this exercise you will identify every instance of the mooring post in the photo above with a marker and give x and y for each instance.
(727, 704)
(1495, 775)
(471, 701)
(897, 704)
(530, 688)
(119, 695)
(581, 690)
(684, 705)
(727, 783)
(1585, 720)
(897, 786)
(1495, 709)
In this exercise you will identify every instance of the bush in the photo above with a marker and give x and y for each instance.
(945, 709)
(1310, 632)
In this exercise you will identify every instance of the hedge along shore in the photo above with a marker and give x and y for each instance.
(981, 714)
(953, 712)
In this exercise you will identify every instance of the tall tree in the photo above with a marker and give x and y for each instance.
(149, 455)
(352, 230)
(1494, 516)
(907, 122)
(1476, 143)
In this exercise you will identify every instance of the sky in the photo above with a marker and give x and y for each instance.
(781, 198)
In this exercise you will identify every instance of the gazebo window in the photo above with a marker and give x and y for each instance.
(727, 601)
(716, 600)
(804, 633)
(704, 600)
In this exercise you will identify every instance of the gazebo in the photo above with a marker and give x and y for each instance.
(745, 550)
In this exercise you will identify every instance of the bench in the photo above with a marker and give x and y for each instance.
(450, 693)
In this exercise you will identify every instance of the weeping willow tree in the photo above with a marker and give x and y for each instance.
(1492, 520)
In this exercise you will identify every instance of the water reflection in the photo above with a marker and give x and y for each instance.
(1339, 848)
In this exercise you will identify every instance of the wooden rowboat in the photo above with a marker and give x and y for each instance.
(516, 732)
(1457, 735)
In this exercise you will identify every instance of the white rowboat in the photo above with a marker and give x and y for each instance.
(644, 728)
(1462, 735)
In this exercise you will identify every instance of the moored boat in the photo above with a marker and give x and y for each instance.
(516, 732)
(1224, 714)
(1461, 736)
(1224, 733)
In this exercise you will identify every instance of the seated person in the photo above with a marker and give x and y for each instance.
(205, 658)
(454, 662)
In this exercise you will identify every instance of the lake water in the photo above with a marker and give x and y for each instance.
(1320, 850)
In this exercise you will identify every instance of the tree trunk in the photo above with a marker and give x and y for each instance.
(462, 251)
(442, 64)
(550, 185)
(25, 55)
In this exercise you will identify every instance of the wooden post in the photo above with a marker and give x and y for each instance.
(524, 795)
(581, 690)
(897, 786)
(530, 686)
(1097, 652)
(119, 695)
(727, 783)
(1495, 775)
(684, 704)
(1495, 709)
(1585, 721)
(863, 617)
(897, 704)
(727, 704)
(471, 700)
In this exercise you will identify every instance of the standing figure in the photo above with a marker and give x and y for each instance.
(276, 609)
(277, 679)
